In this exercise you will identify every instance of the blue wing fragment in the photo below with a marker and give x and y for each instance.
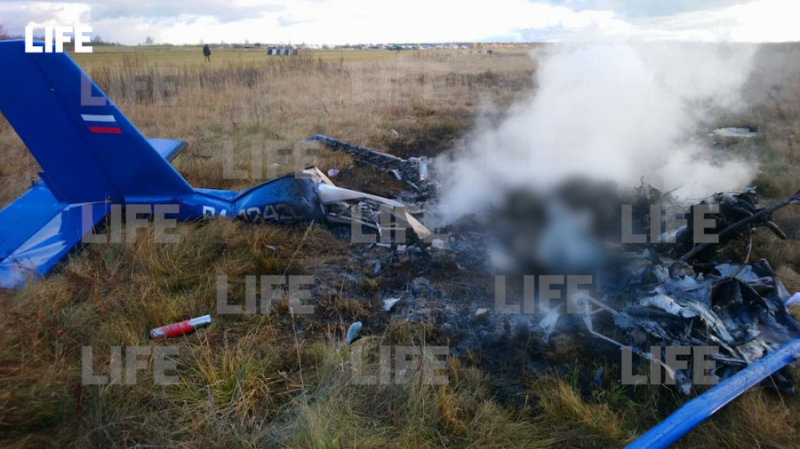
(27, 214)
(37, 231)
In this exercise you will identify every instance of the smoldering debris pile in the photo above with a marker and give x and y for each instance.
(670, 291)
(653, 285)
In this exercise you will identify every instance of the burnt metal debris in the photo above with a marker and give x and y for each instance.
(412, 171)
(667, 291)
(348, 207)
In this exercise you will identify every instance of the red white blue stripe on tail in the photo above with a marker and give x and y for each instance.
(101, 124)
(91, 155)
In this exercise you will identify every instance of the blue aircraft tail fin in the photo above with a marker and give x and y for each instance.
(87, 148)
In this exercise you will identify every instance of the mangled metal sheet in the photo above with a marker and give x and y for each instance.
(347, 206)
(412, 171)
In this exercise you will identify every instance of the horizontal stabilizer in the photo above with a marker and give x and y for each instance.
(37, 231)
(168, 149)
(22, 218)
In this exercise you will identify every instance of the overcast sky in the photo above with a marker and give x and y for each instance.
(384, 21)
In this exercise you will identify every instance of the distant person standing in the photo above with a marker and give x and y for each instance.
(207, 53)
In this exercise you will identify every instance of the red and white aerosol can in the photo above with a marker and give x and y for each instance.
(180, 328)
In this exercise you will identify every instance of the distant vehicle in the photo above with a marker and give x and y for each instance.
(281, 51)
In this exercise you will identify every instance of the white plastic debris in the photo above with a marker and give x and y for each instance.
(666, 304)
(352, 332)
(795, 299)
(333, 172)
(388, 303)
(422, 163)
(548, 323)
(481, 311)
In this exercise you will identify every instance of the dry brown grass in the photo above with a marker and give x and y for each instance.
(280, 380)
(773, 96)
(241, 102)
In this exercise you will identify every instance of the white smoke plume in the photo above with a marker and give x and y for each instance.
(615, 111)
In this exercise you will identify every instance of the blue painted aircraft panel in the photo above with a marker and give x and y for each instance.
(48, 244)
(288, 198)
(23, 218)
(168, 149)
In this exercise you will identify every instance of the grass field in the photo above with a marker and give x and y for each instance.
(280, 380)
(174, 56)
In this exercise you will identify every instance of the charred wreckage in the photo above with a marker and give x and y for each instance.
(652, 278)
